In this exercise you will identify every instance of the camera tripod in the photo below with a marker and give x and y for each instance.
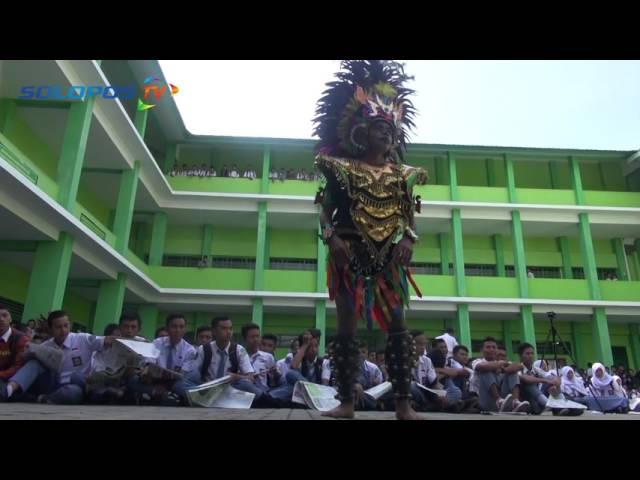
(556, 339)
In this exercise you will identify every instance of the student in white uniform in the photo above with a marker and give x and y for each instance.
(497, 382)
(176, 355)
(605, 394)
(263, 363)
(531, 377)
(66, 386)
(268, 343)
(450, 340)
(369, 375)
(221, 358)
(423, 373)
(284, 364)
(100, 388)
(204, 334)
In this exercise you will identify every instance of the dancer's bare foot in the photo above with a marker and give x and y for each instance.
(344, 410)
(405, 412)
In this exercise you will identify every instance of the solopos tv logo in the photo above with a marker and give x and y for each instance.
(154, 85)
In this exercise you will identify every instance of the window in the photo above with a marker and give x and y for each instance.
(307, 264)
(603, 273)
(196, 261)
(578, 272)
(545, 272)
(424, 268)
(479, 270)
(247, 263)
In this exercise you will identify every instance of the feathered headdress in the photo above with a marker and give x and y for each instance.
(366, 90)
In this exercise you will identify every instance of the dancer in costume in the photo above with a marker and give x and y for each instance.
(367, 217)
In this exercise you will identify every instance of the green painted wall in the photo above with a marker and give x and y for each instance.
(235, 241)
(545, 197)
(222, 185)
(78, 308)
(206, 278)
(183, 239)
(289, 281)
(293, 243)
(558, 288)
(531, 174)
(13, 282)
(483, 194)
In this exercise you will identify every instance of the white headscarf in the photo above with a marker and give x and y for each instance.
(538, 364)
(604, 382)
(618, 389)
(573, 386)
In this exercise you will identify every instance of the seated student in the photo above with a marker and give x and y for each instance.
(263, 363)
(531, 378)
(161, 332)
(454, 401)
(369, 375)
(268, 344)
(13, 346)
(382, 365)
(460, 361)
(221, 358)
(66, 386)
(439, 344)
(204, 334)
(496, 381)
(100, 388)
(605, 394)
(175, 355)
(284, 364)
(305, 365)
(424, 374)
(204, 171)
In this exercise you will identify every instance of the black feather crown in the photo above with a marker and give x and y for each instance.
(366, 90)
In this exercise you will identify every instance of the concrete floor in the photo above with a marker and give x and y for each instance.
(29, 411)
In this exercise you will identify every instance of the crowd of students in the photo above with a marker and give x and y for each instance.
(204, 171)
(444, 378)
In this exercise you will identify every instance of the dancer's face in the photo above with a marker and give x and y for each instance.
(380, 136)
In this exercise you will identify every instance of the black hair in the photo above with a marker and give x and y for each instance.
(172, 316)
(488, 339)
(270, 336)
(129, 316)
(450, 331)
(523, 346)
(203, 328)
(217, 320)
(157, 334)
(436, 341)
(438, 358)
(247, 328)
(457, 348)
(109, 329)
(54, 315)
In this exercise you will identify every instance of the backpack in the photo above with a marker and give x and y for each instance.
(208, 356)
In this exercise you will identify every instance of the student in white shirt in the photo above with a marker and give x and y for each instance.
(531, 377)
(424, 374)
(450, 340)
(221, 358)
(605, 393)
(263, 363)
(204, 334)
(268, 344)
(284, 364)
(496, 381)
(66, 386)
(369, 375)
(176, 355)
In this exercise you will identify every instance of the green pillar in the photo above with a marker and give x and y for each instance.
(7, 117)
(498, 243)
(636, 257)
(266, 166)
(48, 279)
(634, 334)
(601, 339)
(507, 338)
(124, 207)
(74, 145)
(576, 180)
(511, 179)
(462, 325)
(321, 324)
(527, 325)
(110, 301)
(257, 312)
(258, 283)
(207, 242)
(443, 239)
(439, 168)
(158, 235)
(618, 247)
(140, 122)
(588, 256)
(519, 260)
(491, 172)
(453, 177)
(578, 356)
(149, 318)
(553, 174)
(565, 253)
(458, 252)
(141, 237)
(462, 318)
(170, 157)
(321, 282)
